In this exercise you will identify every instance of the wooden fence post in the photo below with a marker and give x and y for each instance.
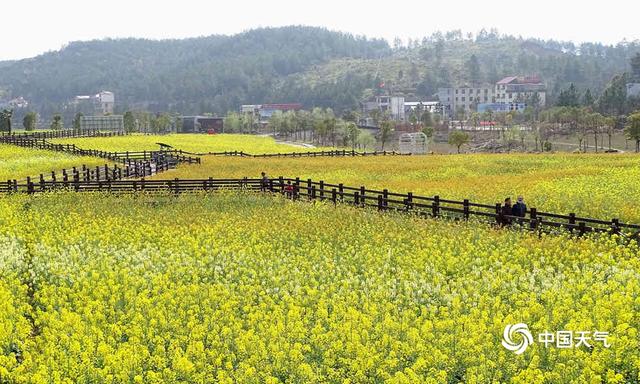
(177, 186)
(380, 203)
(321, 190)
(465, 208)
(435, 206)
(572, 221)
(334, 195)
(41, 182)
(356, 199)
(408, 202)
(341, 191)
(498, 213)
(363, 201)
(615, 226)
(533, 215)
(385, 197)
(29, 185)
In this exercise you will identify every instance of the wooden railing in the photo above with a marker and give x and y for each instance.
(61, 134)
(332, 153)
(128, 170)
(175, 156)
(297, 189)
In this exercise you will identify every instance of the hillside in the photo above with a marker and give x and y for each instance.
(439, 61)
(209, 73)
(311, 65)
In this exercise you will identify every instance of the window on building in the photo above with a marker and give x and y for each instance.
(463, 99)
(456, 99)
(463, 91)
(457, 91)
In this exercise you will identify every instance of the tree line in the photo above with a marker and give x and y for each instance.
(216, 74)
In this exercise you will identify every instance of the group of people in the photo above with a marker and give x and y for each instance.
(509, 212)
(266, 185)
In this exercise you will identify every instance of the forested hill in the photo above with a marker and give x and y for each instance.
(296, 64)
(215, 72)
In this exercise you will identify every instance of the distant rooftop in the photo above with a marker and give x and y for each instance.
(520, 80)
(282, 107)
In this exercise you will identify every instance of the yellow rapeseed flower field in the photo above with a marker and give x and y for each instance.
(249, 288)
(602, 186)
(198, 143)
(18, 163)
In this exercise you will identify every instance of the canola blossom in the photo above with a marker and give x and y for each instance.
(18, 163)
(250, 288)
(593, 185)
(197, 143)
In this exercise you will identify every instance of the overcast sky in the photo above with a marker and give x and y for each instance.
(31, 27)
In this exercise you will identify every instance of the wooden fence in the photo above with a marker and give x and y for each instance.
(332, 153)
(176, 156)
(66, 133)
(38, 140)
(298, 189)
(127, 170)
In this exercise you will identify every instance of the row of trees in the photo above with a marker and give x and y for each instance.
(581, 121)
(147, 122)
(319, 126)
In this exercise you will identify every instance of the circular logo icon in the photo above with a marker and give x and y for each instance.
(515, 331)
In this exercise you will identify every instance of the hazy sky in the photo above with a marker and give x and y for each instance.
(30, 27)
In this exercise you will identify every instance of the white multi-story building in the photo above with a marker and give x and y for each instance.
(465, 98)
(503, 96)
(394, 105)
(102, 103)
(516, 89)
